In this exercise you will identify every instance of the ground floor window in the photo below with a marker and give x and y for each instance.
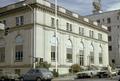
(19, 53)
(2, 54)
(100, 58)
(91, 58)
(69, 54)
(81, 57)
(53, 53)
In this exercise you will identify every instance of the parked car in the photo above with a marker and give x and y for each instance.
(87, 74)
(37, 74)
(104, 73)
(8, 76)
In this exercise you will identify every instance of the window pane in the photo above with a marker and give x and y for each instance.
(21, 20)
(17, 21)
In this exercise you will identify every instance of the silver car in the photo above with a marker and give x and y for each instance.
(37, 74)
(8, 76)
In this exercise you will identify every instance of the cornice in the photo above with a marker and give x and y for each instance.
(46, 27)
(5, 11)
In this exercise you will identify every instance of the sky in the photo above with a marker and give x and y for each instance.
(83, 7)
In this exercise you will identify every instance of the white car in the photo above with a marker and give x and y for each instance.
(87, 74)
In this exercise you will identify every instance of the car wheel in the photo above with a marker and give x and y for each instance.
(50, 80)
(21, 79)
(38, 79)
(2, 79)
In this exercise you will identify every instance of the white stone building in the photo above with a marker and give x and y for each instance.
(79, 40)
(112, 20)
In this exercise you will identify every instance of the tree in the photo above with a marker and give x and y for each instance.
(75, 68)
(44, 64)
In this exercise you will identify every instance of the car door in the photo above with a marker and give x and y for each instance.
(29, 75)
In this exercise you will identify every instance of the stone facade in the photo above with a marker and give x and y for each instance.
(78, 39)
(112, 20)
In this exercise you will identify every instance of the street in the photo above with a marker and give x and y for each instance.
(116, 78)
(89, 80)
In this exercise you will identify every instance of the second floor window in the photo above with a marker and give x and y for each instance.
(68, 27)
(110, 48)
(108, 20)
(99, 36)
(81, 31)
(109, 28)
(98, 21)
(91, 33)
(109, 38)
(19, 20)
(52, 22)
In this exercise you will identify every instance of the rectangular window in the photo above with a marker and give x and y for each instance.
(91, 33)
(98, 21)
(109, 28)
(69, 55)
(19, 20)
(81, 57)
(110, 48)
(91, 58)
(99, 36)
(52, 22)
(57, 23)
(100, 58)
(108, 20)
(117, 17)
(103, 20)
(2, 54)
(19, 53)
(118, 26)
(109, 38)
(53, 53)
(68, 27)
(81, 31)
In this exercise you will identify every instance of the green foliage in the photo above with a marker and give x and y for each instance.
(43, 65)
(74, 68)
(55, 74)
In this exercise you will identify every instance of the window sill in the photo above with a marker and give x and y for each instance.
(18, 60)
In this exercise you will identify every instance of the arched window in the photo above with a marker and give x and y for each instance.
(2, 50)
(91, 58)
(100, 55)
(81, 54)
(19, 48)
(53, 48)
(69, 51)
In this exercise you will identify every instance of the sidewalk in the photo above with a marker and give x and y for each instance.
(71, 77)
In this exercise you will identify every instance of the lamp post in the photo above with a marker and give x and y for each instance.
(34, 34)
(56, 49)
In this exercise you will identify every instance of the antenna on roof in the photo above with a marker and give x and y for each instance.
(96, 6)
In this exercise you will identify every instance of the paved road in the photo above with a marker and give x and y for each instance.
(89, 79)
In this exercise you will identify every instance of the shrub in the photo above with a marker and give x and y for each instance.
(74, 68)
(55, 74)
(43, 65)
